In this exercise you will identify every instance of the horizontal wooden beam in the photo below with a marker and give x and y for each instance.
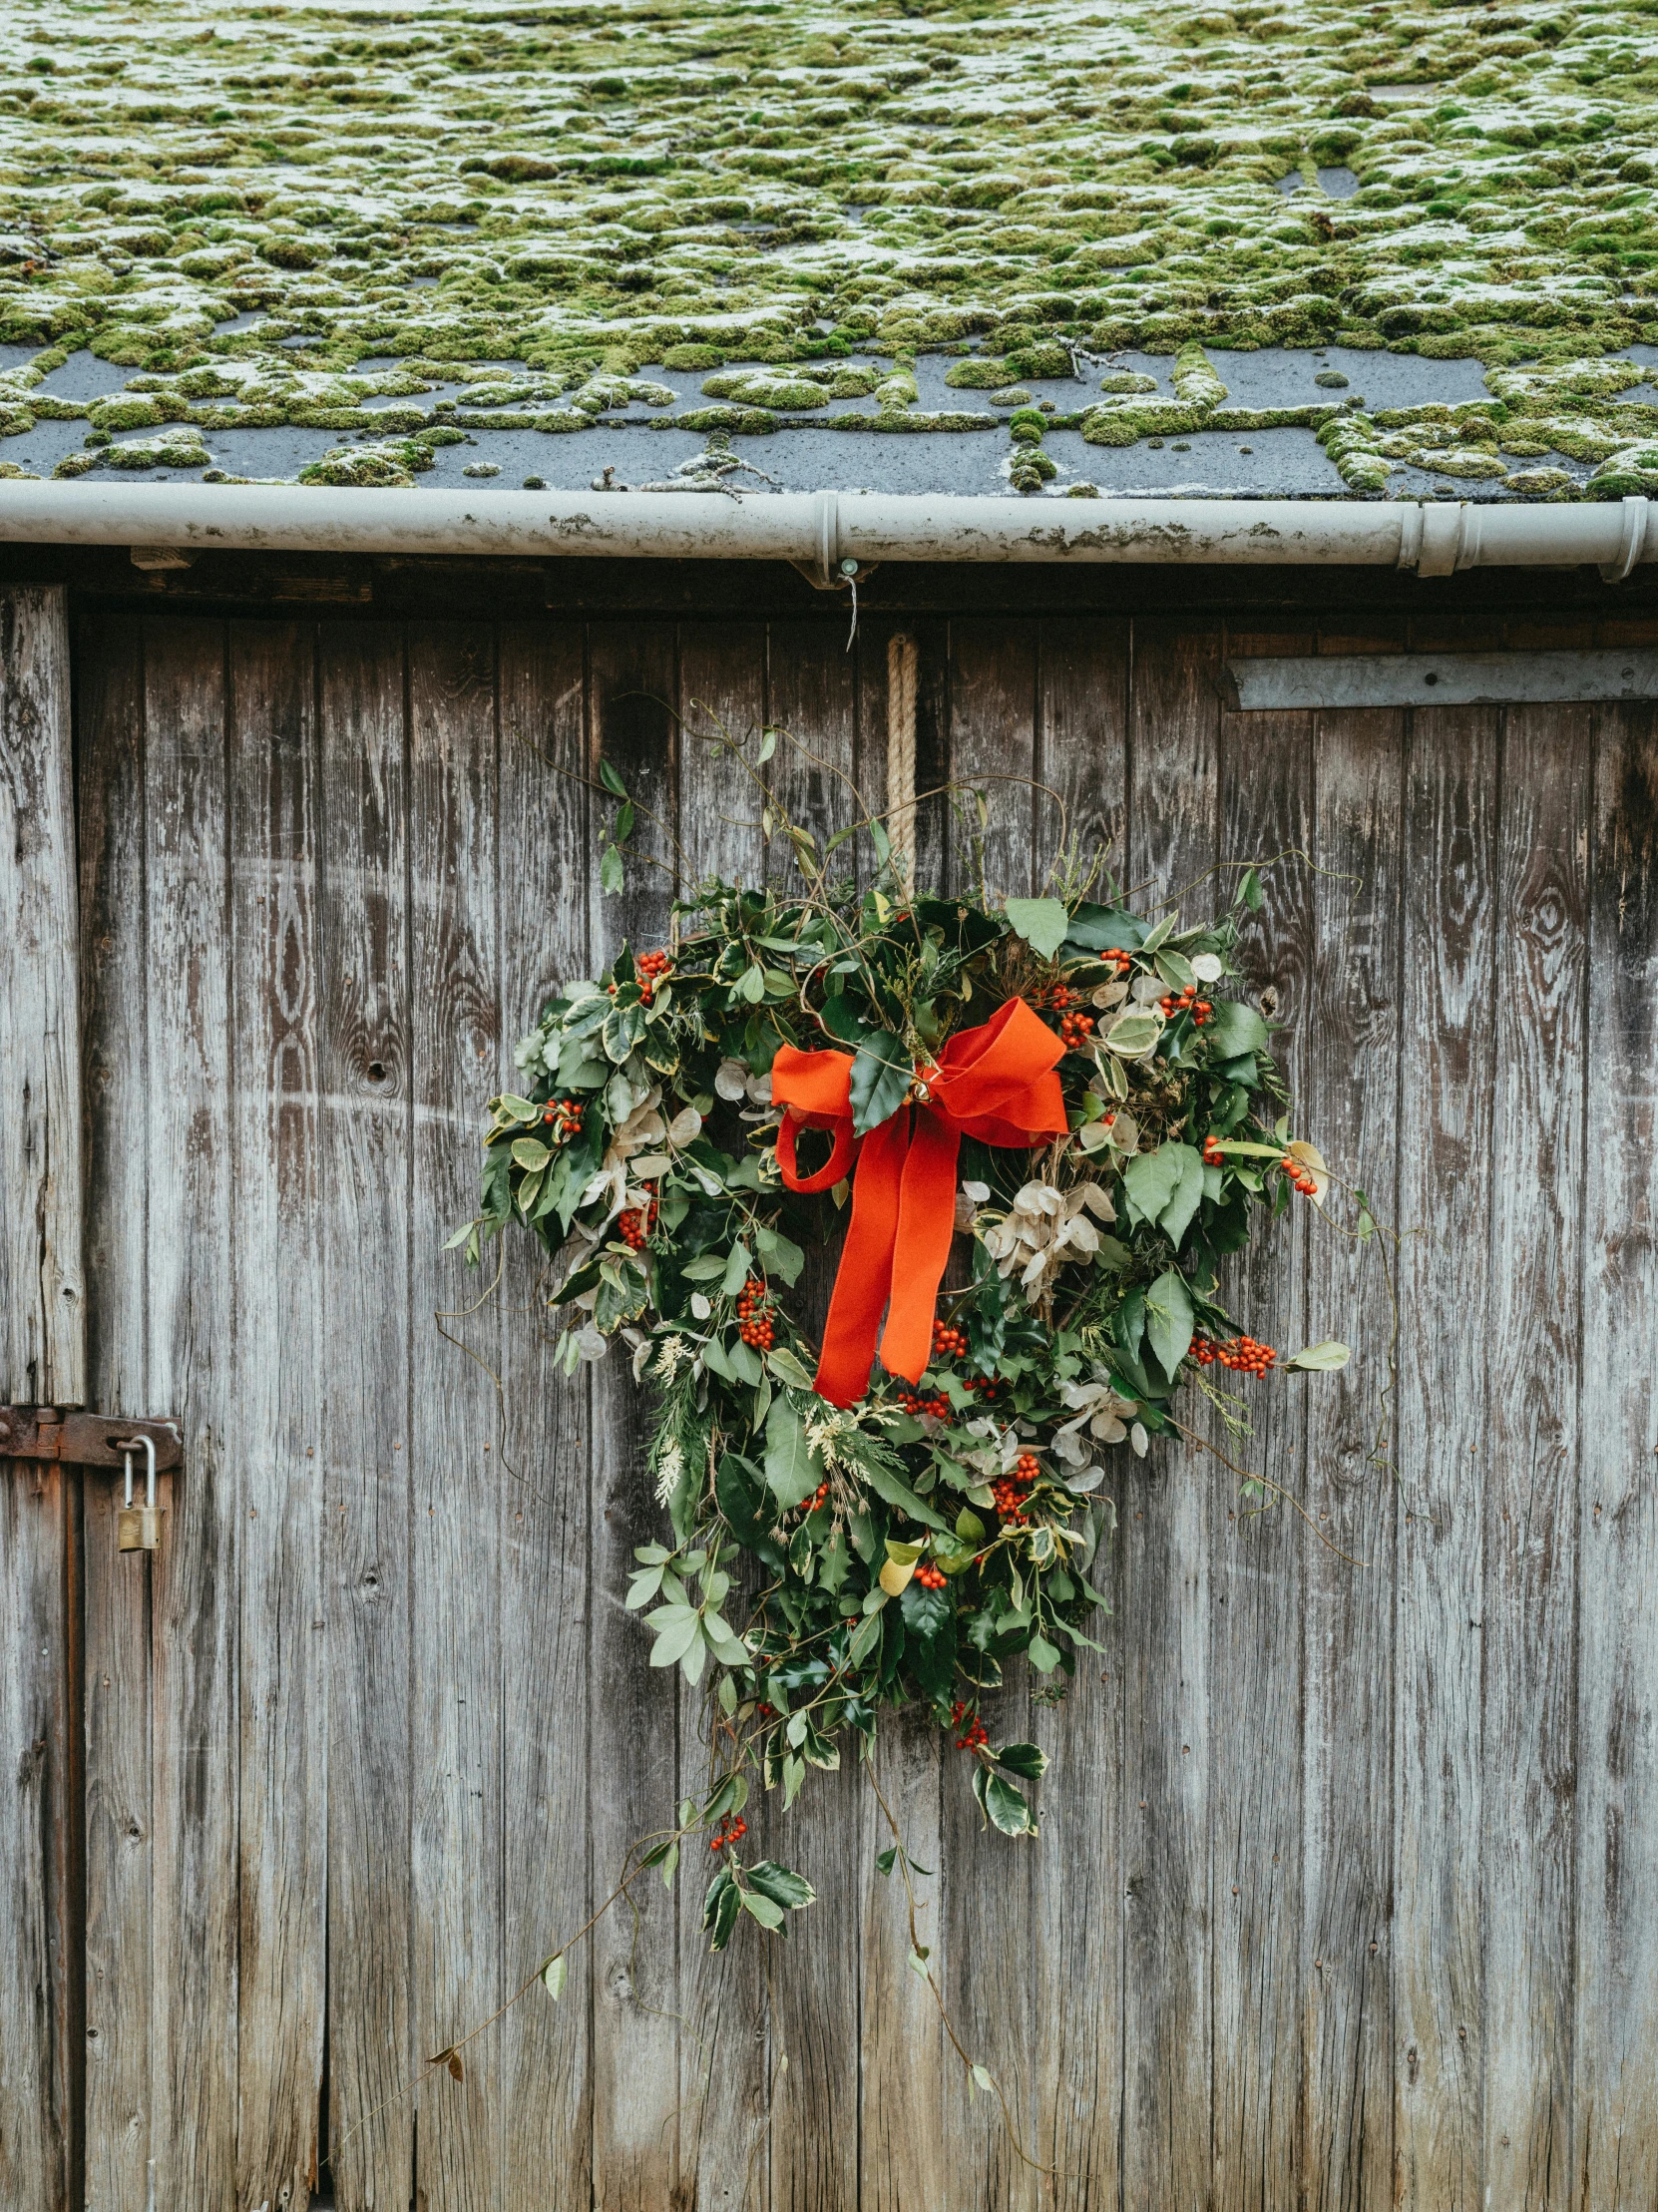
(1440, 678)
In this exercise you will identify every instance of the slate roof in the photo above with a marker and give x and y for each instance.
(1036, 247)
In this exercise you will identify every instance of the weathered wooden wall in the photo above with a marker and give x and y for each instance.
(1347, 1887)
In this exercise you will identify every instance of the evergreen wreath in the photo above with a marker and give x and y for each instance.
(1045, 1122)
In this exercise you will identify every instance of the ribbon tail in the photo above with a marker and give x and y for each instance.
(926, 1224)
(864, 1278)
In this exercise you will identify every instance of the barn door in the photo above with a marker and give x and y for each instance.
(1347, 1889)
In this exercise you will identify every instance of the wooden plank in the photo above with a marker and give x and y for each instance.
(194, 1576)
(42, 1360)
(989, 1927)
(816, 1990)
(912, 2091)
(456, 1855)
(1167, 1546)
(545, 1506)
(35, 2086)
(1615, 2163)
(364, 1141)
(115, 989)
(1365, 680)
(1450, 937)
(633, 1714)
(1081, 754)
(1260, 1983)
(724, 2051)
(276, 1197)
(1347, 1073)
(1531, 1502)
(42, 1329)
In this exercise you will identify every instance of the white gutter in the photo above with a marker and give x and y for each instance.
(834, 535)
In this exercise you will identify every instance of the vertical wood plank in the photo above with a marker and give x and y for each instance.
(1258, 1577)
(815, 1991)
(456, 1857)
(1349, 1065)
(1450, 926)
(545, 1532)
(635, 1768)
(1615, 2166)
(1529, 1601)
(1167, 1546)
(42, 1361)
(34, 1731)
(42, 1328)
(116, 993)
(365, 1178)
(1082, 741)
(277, 1329)
(194, 1576)
(989, 1931)
(911, 2086)
(724, 2052)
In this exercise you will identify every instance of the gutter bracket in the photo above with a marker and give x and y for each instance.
(1631, 543)
(827, 569)
(1410, 535)
(1440, 546)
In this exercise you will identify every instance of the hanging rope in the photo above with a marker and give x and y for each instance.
(903, 660)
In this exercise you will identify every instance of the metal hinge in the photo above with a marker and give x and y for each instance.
(83, 1439)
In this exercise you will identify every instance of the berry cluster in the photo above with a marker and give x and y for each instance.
(929, 1575)
(652, 969)
(635, 1226)
(1124, 961)
(1187, 1001)
(949, 1343)
(811, 1504)
(1010, 1493)
(754, 1314)
(1300, 1176)
(1239, 1352)
(729, 1831)
(913, 1402)
(974, 1732)
(564, 1116)
(1213, 1156)
(1075, 1026)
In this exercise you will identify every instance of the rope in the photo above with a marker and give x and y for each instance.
(903, 660)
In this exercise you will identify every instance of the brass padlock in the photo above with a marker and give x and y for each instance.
(139, 1527)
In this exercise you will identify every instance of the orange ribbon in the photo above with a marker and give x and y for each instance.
(996, 1083)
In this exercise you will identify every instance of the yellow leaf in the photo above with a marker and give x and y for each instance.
(895, 1578)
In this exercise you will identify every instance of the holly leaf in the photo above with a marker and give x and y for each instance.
(1168, 1319)
(1042, 923)
(1026, 1759)
(782, 1885)
(930, 1637)
(881, 1075)
(1006, 1807)
(1096, 929)
(720, 1909)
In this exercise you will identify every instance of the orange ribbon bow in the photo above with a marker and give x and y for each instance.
(996, 1083)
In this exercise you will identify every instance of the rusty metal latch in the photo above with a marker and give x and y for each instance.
(84, 1438)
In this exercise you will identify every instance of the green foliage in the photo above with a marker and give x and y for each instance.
(820, 1566)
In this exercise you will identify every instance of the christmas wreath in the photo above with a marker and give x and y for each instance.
(1044, 1124)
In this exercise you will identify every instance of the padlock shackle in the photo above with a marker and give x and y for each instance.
(128, 1446)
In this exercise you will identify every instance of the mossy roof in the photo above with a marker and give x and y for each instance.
(532, 208)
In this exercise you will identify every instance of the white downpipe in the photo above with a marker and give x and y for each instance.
(834, 535)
